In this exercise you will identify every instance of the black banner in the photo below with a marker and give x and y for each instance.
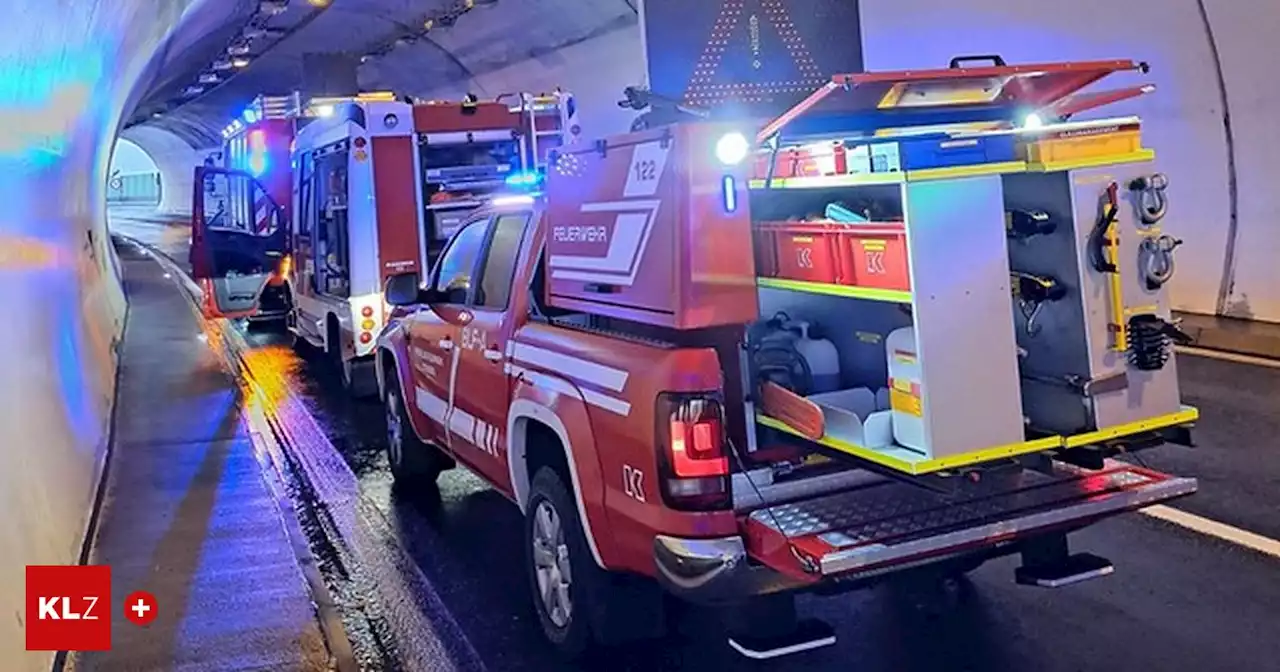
(748, 57)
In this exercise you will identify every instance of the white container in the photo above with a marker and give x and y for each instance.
(821, 356)
(855, 416)
(906, 389)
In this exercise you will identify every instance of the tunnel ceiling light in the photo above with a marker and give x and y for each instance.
(318, 3)
(222, 64)
(193, 90)
(239, 49)
(273, 7)
(240, 62)
(208, 78)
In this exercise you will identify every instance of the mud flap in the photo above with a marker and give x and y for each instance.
(885, 525)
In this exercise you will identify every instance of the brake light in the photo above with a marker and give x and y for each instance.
(693, 461)
(365, 337)
(367, 311)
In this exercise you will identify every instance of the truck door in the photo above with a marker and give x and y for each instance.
(436, 330)
(238, 238)
(483, 393)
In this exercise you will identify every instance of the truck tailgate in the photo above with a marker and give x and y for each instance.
(889, 524)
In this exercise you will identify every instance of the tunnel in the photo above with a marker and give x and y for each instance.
(81, 74)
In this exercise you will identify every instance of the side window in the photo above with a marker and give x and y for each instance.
(306, 211)
(458, 263)
(500, 261)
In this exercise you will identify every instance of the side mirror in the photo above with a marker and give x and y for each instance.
(402, 290)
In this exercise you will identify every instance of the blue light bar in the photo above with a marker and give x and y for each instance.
(524, 179)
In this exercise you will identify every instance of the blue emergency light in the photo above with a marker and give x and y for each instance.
(525, 179)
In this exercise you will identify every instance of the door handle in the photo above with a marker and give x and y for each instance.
(493, 355)
(445, 344)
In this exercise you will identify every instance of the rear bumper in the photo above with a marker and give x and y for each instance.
(714, 571)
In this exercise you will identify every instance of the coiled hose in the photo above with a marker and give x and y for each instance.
(1155, 258)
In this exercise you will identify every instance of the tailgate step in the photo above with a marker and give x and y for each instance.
(889, 523)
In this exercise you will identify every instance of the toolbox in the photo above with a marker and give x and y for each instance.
(947, 150)
(1074, 142)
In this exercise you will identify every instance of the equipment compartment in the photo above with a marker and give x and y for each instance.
(946, 150)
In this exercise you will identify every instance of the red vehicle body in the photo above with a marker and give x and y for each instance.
(582, 352)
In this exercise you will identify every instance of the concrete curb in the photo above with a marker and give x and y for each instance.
(1245, 337)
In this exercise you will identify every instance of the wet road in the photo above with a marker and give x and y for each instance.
(1179, 600)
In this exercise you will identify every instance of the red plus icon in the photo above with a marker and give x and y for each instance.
(140, 607)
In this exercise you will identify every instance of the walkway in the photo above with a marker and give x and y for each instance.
(187, 513)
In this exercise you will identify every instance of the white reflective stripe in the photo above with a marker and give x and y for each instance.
(432, 406)
(624, 241)
(635, 224)
(581, 369)
(463, 424)
(607, 402)
(597, 399)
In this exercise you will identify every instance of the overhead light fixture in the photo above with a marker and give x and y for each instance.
(208, 78)
(193, 90)
(319, 3)
(324, 110)
(240, 62)
(428, 24)
(239, 49)
(272, 7)
(222, 64)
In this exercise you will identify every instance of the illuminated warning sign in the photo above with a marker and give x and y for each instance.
(749, 57)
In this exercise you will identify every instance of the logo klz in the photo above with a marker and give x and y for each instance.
(68, 608)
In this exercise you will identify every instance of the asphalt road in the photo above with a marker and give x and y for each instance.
(1179, 600)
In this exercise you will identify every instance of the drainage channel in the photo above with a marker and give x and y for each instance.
(391, 613)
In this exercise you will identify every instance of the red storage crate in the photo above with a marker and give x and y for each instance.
(766, 251)
(816, 160)
(874, 256)
(805, 251)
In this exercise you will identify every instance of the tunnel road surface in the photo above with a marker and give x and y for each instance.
(1179, 600)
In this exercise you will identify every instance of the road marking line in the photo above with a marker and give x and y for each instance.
(1213, 528)
(1229, 356)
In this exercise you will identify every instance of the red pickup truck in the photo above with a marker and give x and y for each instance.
(615, 448)
(596, 356)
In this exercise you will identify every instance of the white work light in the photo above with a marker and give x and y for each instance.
(1032, 121)
(732, 148)
(324, 110)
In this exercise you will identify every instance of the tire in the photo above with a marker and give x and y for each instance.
(413, 462)
(562, 572)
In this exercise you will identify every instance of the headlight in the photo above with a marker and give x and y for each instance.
(732, 148)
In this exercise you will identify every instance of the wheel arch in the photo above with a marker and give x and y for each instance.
(525, 419)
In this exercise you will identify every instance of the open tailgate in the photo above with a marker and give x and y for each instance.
(887, 524)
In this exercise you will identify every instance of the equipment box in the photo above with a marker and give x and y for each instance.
(874, 256)
(946, 150)
(651, 227)
(1075, 142)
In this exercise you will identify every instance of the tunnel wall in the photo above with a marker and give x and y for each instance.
(67, 72)
(1184, 117)
(175, 159)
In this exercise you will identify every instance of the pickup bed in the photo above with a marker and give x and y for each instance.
(627, 452)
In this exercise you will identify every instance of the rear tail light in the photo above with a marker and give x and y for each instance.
(692, 457)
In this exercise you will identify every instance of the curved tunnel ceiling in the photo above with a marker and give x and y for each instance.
(484, 38)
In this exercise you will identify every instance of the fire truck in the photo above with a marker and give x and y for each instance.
(906, 326)
(327, 200)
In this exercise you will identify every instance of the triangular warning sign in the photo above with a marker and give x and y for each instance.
(737, 28)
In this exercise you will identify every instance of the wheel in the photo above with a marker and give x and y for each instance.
(580, 605)
(561, 569)
(413, 462)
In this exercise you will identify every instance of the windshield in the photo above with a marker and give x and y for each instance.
(469, 166)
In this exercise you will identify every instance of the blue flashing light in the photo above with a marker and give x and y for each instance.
(250, 115)
(729, 187)
(524, 179)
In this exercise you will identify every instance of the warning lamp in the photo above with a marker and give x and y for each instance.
(367, 311)
(359, 143)
(1032, 120)
(524, 178)
(365, 338)
(391, 121)
(732, 148)
(368, 325)
(324, 110)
